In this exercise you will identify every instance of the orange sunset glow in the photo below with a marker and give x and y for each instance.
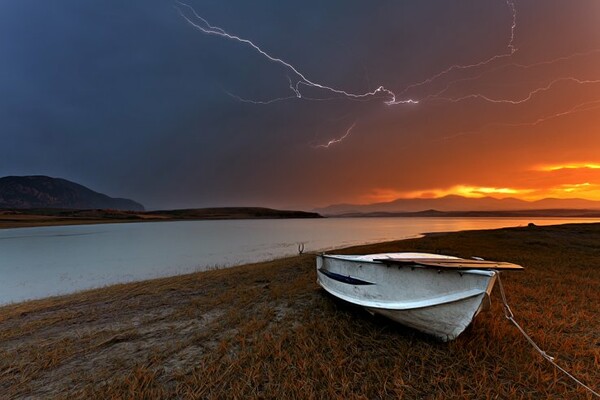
(565, 191)
(570, 166)
(546, 147)
(518, 160)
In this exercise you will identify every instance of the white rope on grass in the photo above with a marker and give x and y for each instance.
(511, 317)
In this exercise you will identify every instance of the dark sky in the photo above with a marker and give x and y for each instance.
(129, 99)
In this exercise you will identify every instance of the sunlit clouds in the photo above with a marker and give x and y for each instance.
(558, 167)
(384, 195)
(584, 190)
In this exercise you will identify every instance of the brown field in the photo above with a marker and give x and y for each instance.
(267, 331)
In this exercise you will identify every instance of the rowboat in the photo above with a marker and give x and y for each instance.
(436, 294)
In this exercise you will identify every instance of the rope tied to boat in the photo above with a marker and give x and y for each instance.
(511, 317)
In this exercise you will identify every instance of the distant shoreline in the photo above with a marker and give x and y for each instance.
(542, 213)
(26, 218)
(23, 218)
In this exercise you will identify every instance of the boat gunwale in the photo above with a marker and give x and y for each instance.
(474, 271)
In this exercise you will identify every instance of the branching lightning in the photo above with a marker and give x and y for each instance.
(270, 101)
(528, 97)
(205, 27)
(297, 81)
(335, 141)
(209, 29)
(585, 106)
(513, 10)
(511, 65)
(510, 46)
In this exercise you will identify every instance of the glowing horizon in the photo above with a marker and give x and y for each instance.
(558, 167)
(583, 191)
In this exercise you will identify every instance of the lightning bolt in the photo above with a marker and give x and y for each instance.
(291, 97)
(586, 106)
(510, 46)
(513, 10)
(512, 65)
(270, 101)
(529, 96)
(335, 141)
(209, 29)
(387, 96)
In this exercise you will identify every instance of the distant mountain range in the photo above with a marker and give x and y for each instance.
(40, 191)
(454, 203)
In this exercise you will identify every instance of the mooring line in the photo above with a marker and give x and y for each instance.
(511, 317)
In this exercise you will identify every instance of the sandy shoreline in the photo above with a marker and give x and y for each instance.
(267, 330)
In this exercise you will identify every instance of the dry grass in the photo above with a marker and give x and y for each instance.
(267, 331)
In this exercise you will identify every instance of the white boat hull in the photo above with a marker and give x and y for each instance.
(439, 302)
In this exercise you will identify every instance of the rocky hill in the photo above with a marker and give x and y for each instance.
(39, 191)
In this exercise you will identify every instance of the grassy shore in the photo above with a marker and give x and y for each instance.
(266, 330)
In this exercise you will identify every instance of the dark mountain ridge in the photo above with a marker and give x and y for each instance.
(39, 191)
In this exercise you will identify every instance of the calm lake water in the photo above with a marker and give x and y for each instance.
(45, 261)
